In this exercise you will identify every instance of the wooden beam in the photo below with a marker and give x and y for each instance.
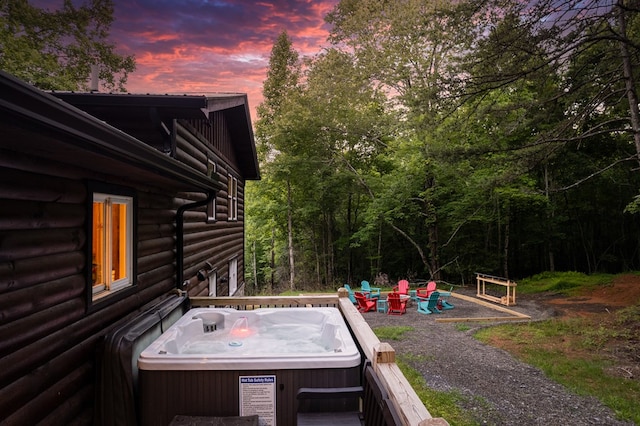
(480, 319)
(359, 327)
(514, 315)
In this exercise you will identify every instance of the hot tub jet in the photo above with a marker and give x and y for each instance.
(241, 328)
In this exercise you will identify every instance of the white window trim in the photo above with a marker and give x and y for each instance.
(233, 276)
(232, 198)
(212, 206)
(213, 283)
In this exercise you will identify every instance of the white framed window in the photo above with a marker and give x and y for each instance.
(211, 207)
(111, 243)
(232, 196)
(213, 283)
(211, 210)
(233, 276)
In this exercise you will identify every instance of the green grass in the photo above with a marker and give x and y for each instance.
(567, 283)
(391, 332)
(462, 326)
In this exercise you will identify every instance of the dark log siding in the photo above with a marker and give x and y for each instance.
(48, 337)
(197, 142)
(215, 134)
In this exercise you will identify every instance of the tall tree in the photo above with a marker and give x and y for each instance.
(57, 50)
(409, 49)
(281, 84)
(581, 60)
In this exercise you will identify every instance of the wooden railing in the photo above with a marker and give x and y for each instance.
(410, 408)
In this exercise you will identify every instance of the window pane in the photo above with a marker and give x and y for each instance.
(112, 243)
(119, 241)
(98, 246)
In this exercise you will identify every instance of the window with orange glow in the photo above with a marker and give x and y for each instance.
(112, 243)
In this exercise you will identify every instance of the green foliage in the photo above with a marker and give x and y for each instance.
(55, 50)
(562, 282)
(462, 327)
(437, 139)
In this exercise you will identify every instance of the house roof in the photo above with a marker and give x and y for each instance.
(67, 134)
(141, 115)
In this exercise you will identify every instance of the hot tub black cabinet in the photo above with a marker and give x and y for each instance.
(216, 392)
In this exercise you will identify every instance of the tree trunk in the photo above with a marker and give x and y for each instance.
(432, 230)
(628, 77)
(349, 232)
(273, 260)
(379, 252)
(550, 219)
(292, 272)
(318, 247)
(255, 267)
(505, 252)
(329, 250)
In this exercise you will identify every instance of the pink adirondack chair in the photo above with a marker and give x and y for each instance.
(425, 292)
(402, 287)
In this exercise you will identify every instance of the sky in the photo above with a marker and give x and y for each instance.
(210, 46)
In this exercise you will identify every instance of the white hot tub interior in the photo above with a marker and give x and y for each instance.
(210, 338)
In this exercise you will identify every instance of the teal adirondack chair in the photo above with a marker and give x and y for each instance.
(370, 292)
(432, 305)
(352, 296)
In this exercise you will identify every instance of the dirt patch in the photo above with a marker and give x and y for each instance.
(622, 292)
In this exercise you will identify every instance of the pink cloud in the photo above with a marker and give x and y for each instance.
(206, 46)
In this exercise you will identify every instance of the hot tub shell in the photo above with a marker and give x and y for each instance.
(172, 382)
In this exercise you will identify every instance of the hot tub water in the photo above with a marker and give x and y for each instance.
(208, 338)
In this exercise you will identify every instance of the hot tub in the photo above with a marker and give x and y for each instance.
(201, 364)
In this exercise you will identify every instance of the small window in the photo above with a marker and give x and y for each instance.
(233, 276)
(232, 195)
(211, 210)
(111, 243)
(213, 283)
(211, 207)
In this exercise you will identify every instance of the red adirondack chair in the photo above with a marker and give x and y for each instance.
(364, 304)
(396, 304)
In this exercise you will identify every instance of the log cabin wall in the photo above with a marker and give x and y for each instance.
(210, 246)
(48, 339)
(49, 334)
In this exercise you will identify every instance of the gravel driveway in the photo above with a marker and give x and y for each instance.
(498, 389)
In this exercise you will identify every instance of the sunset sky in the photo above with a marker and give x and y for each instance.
(207, 46)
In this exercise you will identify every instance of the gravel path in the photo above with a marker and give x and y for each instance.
(498, 389)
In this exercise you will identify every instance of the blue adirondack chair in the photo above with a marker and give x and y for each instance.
(370, 292)
(432, 305)
(352, 297)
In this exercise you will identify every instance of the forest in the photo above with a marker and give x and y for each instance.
(435, 139)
